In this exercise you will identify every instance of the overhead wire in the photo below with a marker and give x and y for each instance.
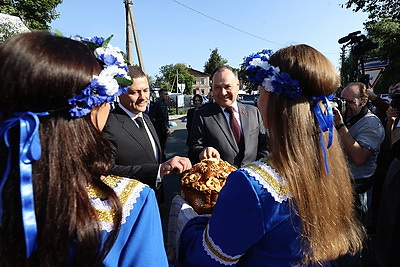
(226, 24)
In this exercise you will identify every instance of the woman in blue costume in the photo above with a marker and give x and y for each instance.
(57, 207)
(296, 207)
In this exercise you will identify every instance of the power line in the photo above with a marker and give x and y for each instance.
(230, 26)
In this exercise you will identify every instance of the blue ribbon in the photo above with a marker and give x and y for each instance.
(29, 151)
(325, 120)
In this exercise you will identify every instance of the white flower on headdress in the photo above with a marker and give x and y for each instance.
(77, 38)
(267, 83)
(108, 82)
(110, 51)
(113, 70)
(260, 63)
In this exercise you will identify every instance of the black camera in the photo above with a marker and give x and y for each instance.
(396, 103)
(340, 104)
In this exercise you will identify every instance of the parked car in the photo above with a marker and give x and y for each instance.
(248, 99)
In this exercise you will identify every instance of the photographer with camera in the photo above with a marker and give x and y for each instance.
(387, 233)
(361, 133)
(392, 114)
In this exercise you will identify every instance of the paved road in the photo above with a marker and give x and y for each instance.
(176, 146)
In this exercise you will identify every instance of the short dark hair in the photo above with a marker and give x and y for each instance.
(225, 67)
(362, 89)
(199, 97)
(136, 72)
(162, 90)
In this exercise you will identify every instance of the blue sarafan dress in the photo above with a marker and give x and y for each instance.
(252, 224)
(140, 239)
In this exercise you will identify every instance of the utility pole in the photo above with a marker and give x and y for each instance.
(177, 81)
(131, 27)
(128, 6)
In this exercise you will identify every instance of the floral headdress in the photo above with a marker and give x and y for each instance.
(259, 71)
(110, 83)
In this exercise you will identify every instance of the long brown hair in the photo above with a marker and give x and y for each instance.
(324, 202)
(40, 72)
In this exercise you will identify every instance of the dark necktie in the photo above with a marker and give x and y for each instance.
(234, 124)
(145, 137)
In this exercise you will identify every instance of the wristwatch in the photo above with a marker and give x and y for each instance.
(339, 126)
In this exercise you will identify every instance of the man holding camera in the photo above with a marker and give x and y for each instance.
(389, 112)
(361, 133)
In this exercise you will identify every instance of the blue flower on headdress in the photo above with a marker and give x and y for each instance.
(260, 72)
(98, 41)
(112, 81)
(282, 83)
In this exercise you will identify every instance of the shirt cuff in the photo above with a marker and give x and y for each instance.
(159, 178)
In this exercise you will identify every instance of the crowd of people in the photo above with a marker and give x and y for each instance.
(82, 162)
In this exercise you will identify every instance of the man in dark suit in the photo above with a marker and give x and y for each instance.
(158, 113)
(227, 129)
(136, 151)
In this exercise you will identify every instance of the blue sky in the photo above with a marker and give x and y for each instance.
(171, 33)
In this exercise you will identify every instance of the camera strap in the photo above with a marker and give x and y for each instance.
(353, 120)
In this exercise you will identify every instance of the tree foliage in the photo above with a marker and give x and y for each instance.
(214, 61)
(36, 14)
(169, 74)
(386, 33)
(383, 27)
(9, 26)
(244, 82)
(376, 9)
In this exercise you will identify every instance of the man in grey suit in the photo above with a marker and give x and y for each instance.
(236, 136)
(136, 150)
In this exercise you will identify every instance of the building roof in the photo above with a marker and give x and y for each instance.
(197, 73)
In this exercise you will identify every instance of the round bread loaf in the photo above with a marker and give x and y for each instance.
(201, 185)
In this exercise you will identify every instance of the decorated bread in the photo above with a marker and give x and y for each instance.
(201, 185)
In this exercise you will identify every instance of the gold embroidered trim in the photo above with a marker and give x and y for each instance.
(215, 251)
(112, 181)
(280, 189)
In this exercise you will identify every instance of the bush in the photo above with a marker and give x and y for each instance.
(181, 111)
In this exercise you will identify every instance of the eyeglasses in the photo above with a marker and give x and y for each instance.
(349, 102)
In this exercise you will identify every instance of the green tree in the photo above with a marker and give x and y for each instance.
(383, 27)
(376, 9)
(169, 74)
(36, 14)
(349, 69)
(244, 82)
(9, 26)
(214, 62)
(150, 80)
(386, 33)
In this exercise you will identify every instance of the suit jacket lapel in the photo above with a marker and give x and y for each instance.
(244, 121)
(153, 133)
(129, 126)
